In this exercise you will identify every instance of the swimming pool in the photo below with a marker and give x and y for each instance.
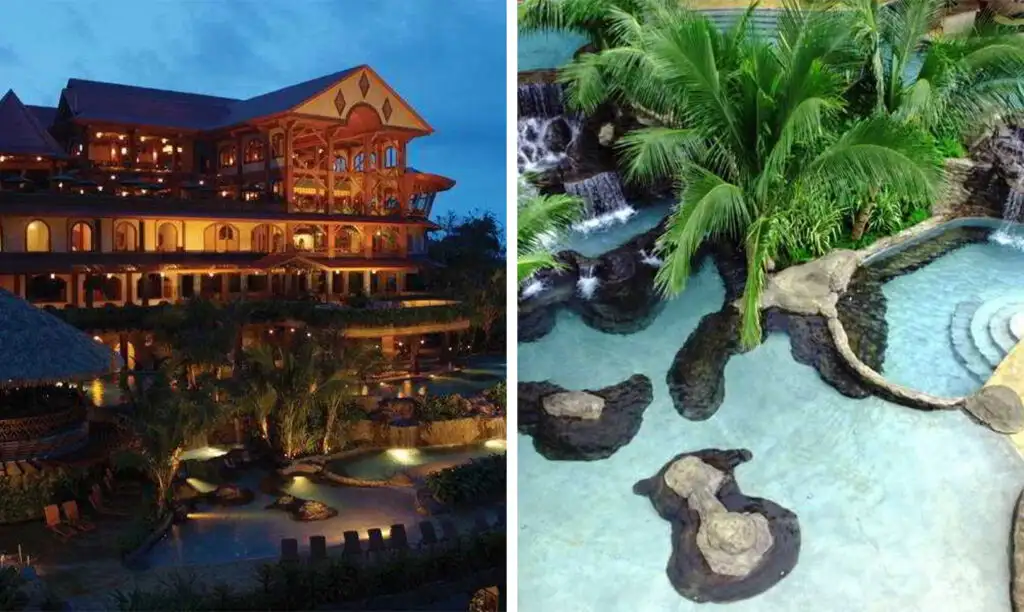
(963, 333)
(384, 464)
(900, 510)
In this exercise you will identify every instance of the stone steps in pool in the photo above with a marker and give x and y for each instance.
(963, 345)
(999, 326)
(980, 322)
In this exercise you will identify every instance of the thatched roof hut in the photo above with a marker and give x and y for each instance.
(37, 348)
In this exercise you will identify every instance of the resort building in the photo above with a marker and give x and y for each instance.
(126, 195)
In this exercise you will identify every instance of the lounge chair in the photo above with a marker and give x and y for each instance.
(54, 524)
(428, 534)
(353, 547)
(317, 548)
(399, 540)
(376, 542)
(75, 517)
(96, 501)
(289, 550)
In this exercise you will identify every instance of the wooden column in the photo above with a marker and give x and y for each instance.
(133, 149)
(332, 230)
(368, 241)
(240, 160)
(129, 290)
(142, 236)
(289, 169)
(330, 171)
(268, 155)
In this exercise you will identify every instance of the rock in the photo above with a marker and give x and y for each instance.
(571, 438)
(576, 404)
(606, 135)
(812, 288)
(696, 379)
(811, 344)
(1017, 557)
(726, 546)
(231, 495)
(997, 407)
(396, 408)
(303, 510)
(301, 467)
(558, 136)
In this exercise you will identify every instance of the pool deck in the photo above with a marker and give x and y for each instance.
(1010, 373)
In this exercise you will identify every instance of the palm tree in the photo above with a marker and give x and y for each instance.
(165, 420)
(540, 218)
(945, 84)
(752, 132)
(594, 19)
(203, 336)
(488, 304)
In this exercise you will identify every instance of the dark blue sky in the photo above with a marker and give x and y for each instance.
(445, 57)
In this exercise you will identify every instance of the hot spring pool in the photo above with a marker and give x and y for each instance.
(900, 510)
(384, 464)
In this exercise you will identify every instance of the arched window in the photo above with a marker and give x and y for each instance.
(373, 161)
(390, 157)
(126, 237)
(340, 164)
(81, 237)
(220, 238)
(227, 156)
(357, 163)
(277, 145)
(348, 240)
(267, 238)
(167, 237)
(37, 237)
(385, 241)
(254, 150)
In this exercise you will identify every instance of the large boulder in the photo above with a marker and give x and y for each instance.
(696, 379)
(574, 433)
(726, 546)
(812, 288)
(997, 407)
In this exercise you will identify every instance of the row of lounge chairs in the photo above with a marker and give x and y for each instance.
(66, 521)
(396, 543)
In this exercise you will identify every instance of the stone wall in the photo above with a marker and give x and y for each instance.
(974, 189)
(438, 433)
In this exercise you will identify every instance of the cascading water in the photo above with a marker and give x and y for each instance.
(650, 259)
(546, 132)
(587, 283)
(605, 203)
(1013, 214)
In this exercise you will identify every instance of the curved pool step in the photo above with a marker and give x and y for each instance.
(999, 326)
(980, 326)
(963, 344)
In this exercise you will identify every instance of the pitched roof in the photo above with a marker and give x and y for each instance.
(45, 115)
(21, 132)
(132, 105)
(282, 100)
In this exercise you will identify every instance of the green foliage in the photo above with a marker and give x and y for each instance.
(275, 311)
(11, 595)
(479, 481)
(306, 587)
(498, 395)
(441, 408)
(951, 147)
(540, 219)
(23, 497)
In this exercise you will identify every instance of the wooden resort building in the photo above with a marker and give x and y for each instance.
(124, 195)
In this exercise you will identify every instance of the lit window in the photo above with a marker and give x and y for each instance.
(357, 164)
(390, 157)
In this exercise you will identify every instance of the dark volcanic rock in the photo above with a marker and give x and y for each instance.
(696, 380)
(811, 344)
(584, 439)
(862, 312)
(687, 570)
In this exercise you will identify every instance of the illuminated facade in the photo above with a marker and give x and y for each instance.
(128, 195)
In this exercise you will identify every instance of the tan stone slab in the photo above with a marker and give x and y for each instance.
(1010, 373)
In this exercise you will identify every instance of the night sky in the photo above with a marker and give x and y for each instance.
(445, 57)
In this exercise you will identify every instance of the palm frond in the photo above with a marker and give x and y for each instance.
(545, 215)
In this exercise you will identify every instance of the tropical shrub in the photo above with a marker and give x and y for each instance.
(441, 408)
(22, 497)
(541, 218)
(498, 395)
(306, 587)
(479, 481)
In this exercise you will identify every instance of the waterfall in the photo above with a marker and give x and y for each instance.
(588, 282)
(540, 100)
(650, 259)
(1009, 233)
(605, 203)
(546, 132)
(532, 288)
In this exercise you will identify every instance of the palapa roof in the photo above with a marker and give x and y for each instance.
(21, 132)
(38, 348)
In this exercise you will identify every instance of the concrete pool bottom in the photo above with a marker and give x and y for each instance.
(901, 509)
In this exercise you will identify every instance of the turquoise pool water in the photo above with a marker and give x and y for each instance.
(900, 510)
(921, 353)
(547, 50)
(382, 465)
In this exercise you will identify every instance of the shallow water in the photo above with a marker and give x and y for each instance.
(900, 510)
(382, 465)
(920, 308)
